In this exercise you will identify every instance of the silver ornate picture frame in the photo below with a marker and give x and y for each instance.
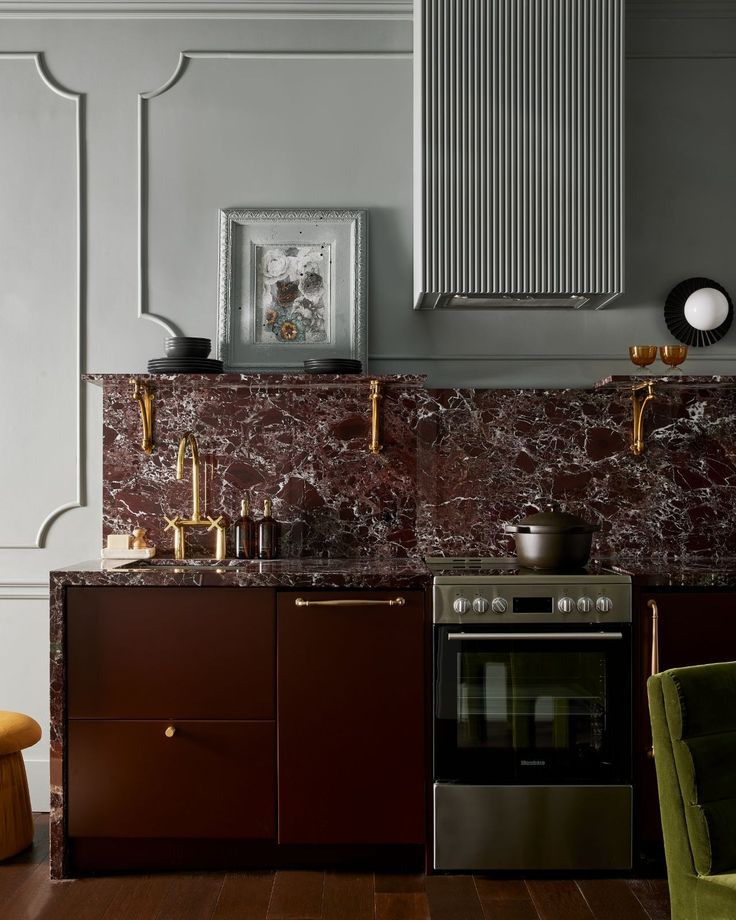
(292, 286)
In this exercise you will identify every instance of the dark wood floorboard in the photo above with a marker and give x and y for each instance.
(654, 896)
(192, 897)
(559, 900)
(297, 896)
(348, 895)
(505, 899)
(453, 897)
(612, 899)
(245, 896)
(402, 906)
(141, 897)
(400, 883)
(27, 893)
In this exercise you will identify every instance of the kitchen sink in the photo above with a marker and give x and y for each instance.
(188, 564)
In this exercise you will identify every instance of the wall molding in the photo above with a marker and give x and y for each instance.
(143, 116)
(78, 99)
(207, 9)
(24, 591)
(306, 9)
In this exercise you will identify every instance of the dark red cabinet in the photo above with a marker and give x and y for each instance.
(207, 779)
(156, 653)
(200, 661)
(350, 718)
(694, 627)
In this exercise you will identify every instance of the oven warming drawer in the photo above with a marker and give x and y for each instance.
(532, 827)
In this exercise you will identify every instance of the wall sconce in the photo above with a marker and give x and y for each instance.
(698, 312)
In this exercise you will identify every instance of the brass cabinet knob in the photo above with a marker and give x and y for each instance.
(170, 731)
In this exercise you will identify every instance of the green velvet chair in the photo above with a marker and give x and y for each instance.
(693, 712)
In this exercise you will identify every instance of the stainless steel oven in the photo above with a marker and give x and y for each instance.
(532, 721)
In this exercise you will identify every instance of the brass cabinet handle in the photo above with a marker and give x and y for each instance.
(170, 731)
(375, 446)
(652, 604)
(655, 635)
(395, 602)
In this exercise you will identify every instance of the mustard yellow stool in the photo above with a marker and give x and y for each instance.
(16, 821)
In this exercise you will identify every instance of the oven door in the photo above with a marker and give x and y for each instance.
(541, 704)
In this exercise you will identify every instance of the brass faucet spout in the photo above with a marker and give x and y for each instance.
(189, 438)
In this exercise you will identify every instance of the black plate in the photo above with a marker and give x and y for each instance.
(185, 366)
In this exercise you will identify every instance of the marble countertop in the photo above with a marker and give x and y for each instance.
(284, 573)
(705, 573)
(403, 573)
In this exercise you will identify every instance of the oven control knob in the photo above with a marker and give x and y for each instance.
(461, 605)
(604, 605)
(480, 605)
(566, 605)
(585, 605)
(499, 605)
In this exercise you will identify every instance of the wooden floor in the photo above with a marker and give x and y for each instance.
(27, 894)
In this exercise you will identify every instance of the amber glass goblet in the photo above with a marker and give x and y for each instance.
(643, 355)
(672, 356)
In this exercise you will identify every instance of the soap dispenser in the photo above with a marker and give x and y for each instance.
(245, 533)
(267, 533)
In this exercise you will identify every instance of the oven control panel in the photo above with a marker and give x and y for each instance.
(533, 599)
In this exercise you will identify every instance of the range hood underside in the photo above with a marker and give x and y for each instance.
(434, 300)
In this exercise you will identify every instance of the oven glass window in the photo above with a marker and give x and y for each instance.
(533, 702)
(532, 711)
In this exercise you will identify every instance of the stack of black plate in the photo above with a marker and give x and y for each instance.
(186, 355)
(333, 366)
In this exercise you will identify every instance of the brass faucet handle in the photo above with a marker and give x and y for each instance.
(172, 523)
(215, 523)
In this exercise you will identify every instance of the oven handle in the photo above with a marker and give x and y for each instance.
(527, 635)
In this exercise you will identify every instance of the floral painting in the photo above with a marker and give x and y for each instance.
(292, 294)
(292, 287)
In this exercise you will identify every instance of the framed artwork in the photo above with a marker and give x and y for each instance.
(292, 286)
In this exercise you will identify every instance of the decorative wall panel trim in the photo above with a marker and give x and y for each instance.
(144, 98)
(24, 590)
(78, 100)
(207, 9)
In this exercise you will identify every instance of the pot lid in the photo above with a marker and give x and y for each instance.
(552, 522)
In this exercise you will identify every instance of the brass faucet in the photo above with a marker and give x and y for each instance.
(180, 524)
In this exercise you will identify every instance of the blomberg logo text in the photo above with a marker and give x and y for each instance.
(533, 763)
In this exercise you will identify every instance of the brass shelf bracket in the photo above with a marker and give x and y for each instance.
(375, 446)
(641, 395)
(143, 395)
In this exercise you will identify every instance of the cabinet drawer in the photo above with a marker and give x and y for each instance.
(164, 653)
(211, 779)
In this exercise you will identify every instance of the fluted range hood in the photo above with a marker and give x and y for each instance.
(518, 153)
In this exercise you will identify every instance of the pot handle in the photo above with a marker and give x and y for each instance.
(520, 528)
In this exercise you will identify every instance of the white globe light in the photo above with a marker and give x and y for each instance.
(706, 309)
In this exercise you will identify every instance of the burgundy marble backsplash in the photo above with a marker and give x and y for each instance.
(457, 465)
(487, 457)
(302, 442)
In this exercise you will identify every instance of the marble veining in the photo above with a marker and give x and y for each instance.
(488, 457)
(304, 446)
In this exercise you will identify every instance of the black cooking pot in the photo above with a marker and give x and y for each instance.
(552, 540)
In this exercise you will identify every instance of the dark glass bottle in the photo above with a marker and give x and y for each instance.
(267, 533)
(245, 533)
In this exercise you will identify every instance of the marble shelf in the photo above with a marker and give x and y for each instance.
(259, 381)
(677, 381)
